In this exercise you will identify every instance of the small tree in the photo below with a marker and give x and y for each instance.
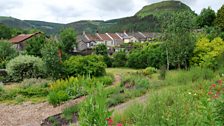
(51, 58)
(206, 17)
(68, 39)
(7, 52)
(179, 39)
(220, 18)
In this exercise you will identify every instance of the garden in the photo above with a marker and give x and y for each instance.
(177, 80)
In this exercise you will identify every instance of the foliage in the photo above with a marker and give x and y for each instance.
(150, 55)
(206, 52)
(50, 56)
(101, 49)
(28, 89)
(63, 90)
(179, 39)
(206, 17)
(149, 71)
(5, 32)
(94, 110)
(68, 39)
(68, 113)
(165, 107)
(34, 45)
(220, 18)
(7, 52)
(25, 66)
(85, 65)
(119, 59)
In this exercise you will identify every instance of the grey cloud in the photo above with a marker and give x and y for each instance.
(8, 5)
(113, 5)
(64, 12)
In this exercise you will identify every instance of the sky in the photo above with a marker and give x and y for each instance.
(66, 11)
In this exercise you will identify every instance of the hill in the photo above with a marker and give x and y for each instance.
(147, 20)
(160, 8)
(47, 27)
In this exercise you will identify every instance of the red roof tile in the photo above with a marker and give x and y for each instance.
(104, 37)
(22, 37)
(93, 37)
(114, 36)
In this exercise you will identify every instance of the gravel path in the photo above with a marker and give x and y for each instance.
(28, 114)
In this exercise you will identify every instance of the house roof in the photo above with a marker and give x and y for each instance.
(114, 36)
(92, 37)
(104, 37)
(137, 35)
(22, 37)
(124, 36)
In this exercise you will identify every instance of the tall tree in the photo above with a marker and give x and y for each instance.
(179, 39)
(68, 39)
(206, 17)
(35, 44)
(220, 18)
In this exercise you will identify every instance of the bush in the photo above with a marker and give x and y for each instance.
(120, 59)
(148, 55)
(26, 66)
(149, 71)
(91, 65)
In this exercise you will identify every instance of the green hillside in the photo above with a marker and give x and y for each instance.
(162, 7)
(15, 23)
(90, 26)
(145, 20)
(47, 27)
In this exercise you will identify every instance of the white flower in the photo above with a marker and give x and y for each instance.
(189, 93)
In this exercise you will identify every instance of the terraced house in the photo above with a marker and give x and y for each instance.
(112, 40)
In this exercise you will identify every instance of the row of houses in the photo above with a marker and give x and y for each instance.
(89, 41)
(112, 40)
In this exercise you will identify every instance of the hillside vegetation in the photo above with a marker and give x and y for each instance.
(145, 20)
(160, 8)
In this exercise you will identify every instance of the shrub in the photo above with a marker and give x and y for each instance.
(149, 71)
(148, 55)
(85, 65)
(120, 59)
(26, 66)
(71, 87)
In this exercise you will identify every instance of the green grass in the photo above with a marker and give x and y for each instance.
(182, 100)
(120, 70)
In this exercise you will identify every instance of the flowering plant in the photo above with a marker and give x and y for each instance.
(216, 93)
(110, 122)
